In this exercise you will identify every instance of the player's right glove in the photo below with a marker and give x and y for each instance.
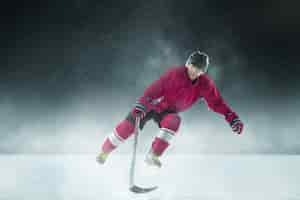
(139, 110)
(235, 123)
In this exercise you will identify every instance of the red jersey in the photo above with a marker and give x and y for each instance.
(175, 91)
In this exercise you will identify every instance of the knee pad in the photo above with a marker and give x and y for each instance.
(169, 125)
(170, 122)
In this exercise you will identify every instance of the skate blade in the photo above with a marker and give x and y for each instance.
(137, 189)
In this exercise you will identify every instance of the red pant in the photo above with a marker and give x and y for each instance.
(168, 122)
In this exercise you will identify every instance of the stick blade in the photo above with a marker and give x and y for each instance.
(137, 189)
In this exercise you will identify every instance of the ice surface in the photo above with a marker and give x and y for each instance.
(183, 177)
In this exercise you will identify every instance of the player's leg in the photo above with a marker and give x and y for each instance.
(169, 126)
(121, 132)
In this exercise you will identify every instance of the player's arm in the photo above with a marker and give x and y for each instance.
(152, 94)
(216, 103)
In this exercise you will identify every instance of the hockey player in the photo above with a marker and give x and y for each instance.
(175, 91)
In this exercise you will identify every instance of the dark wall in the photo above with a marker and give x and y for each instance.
(70, 70)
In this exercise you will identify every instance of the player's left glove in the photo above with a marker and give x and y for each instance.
(139, 110)
(235, 123)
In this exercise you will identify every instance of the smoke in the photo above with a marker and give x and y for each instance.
(104, 72)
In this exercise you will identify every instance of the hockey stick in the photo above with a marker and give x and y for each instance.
(132, 187)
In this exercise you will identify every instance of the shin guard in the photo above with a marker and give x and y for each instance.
(169, 126)
(122, 131)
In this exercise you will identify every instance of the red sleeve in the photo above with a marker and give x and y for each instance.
(155, 90)
(214, 100)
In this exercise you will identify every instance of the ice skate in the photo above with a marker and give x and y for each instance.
(101, 158)
(153, 160)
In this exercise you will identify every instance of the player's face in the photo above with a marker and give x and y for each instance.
(194, 72)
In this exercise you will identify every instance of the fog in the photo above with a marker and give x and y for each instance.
(67, 87)
(78, 122)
